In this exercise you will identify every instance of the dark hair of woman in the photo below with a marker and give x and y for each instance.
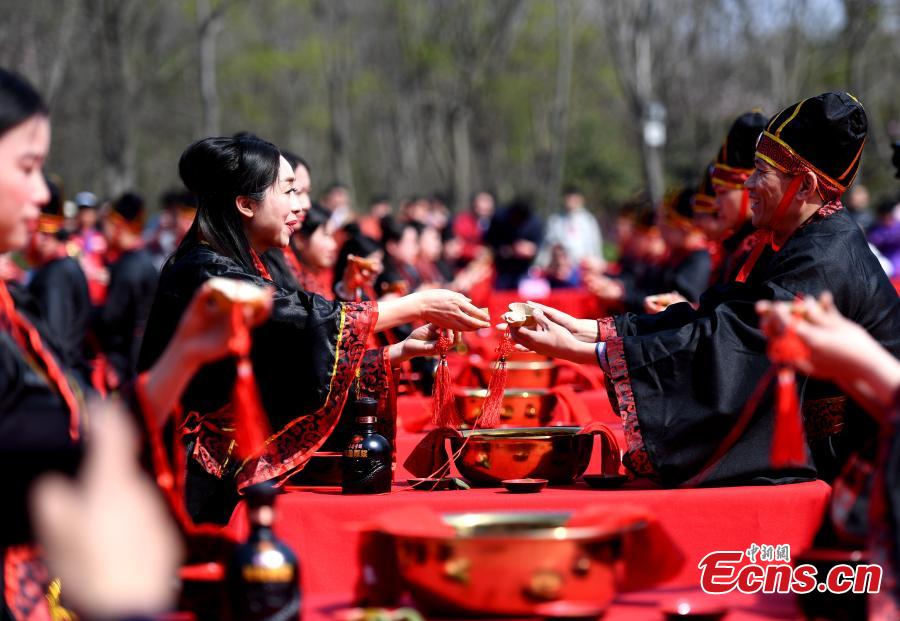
(295, 160)
(18, 101)
(392, 229)
(217, 171)
(316, 216)
(358, 245)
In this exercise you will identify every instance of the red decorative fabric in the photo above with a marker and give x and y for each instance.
(606, 328)
(637, 459)
(306, 279)
(291, 447)
(25, 582)
(259, 265)
(30, 343)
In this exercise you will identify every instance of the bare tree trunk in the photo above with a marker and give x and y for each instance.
(560, 113)
(63, 51)
(628, 26)
(643, 84)
(462, 153)
(337, 70)
(209, 25)
(116, 145)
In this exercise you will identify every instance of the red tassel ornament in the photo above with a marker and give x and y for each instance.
(788, 438)
(493, 403)
(251, 427)
(443, 404)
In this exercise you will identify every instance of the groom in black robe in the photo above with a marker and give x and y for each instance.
(681, 378)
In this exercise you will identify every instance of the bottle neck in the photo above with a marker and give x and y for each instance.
(261, 520)
(367, 429)
(366, 424)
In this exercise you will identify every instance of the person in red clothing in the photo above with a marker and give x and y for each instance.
(470, 227)
(312, 253)
(89, 246)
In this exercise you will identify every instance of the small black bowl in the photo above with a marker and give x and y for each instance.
(605, 481)
(524, 486)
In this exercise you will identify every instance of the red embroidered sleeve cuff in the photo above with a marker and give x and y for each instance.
(636, 457)
(606, 328)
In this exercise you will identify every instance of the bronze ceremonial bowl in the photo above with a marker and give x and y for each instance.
(522, 373)
(558, 454)
(509, 563)
(521, 407)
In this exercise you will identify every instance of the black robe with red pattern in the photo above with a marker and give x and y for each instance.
(681, 378)
(34, 440)
(306, 358)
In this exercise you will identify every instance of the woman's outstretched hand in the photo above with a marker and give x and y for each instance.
(450, 310)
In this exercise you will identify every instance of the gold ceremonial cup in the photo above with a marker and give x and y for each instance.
(558, 454)
(521, 408)
(509, 563)
(522, 373)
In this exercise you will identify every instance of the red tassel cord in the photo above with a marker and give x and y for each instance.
(259, 265)
(788, 438)
(766, 237)
(493, 403)
(251, 427)
(443, 404)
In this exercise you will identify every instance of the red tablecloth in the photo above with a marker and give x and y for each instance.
(321, 525)
(641, 606)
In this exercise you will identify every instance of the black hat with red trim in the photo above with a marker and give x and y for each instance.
(824, 135)
(734, 163)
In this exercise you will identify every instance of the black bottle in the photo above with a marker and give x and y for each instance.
(264, 575)
(366, 462)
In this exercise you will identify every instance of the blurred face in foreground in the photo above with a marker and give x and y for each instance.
(23, 149)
